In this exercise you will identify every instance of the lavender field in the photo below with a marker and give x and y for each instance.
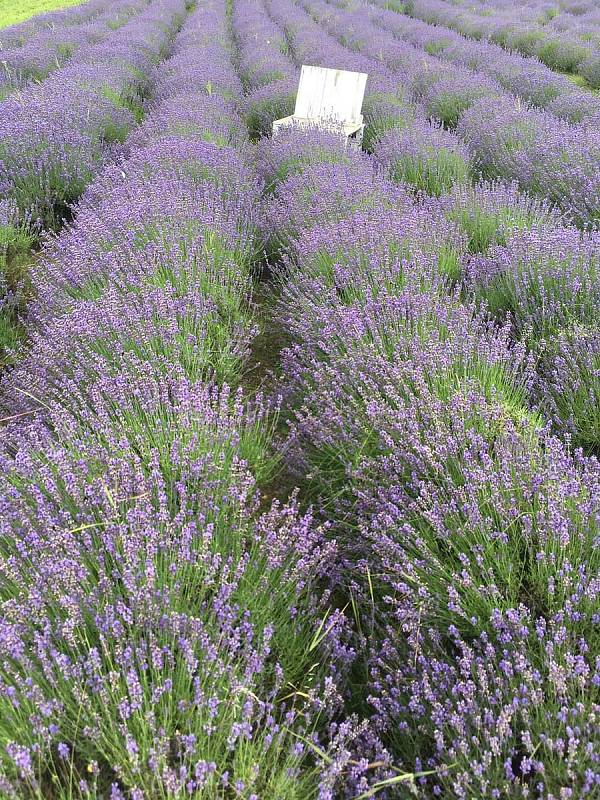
(299, 442)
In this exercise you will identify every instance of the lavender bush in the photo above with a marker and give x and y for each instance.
(15, 242)
(295, 148)
(488, 213)
(569, 386)
(424, 156)
(210, 233)
(513, 657)
(27, 58)
(139, 537)
(56, 136)
(387, 245)
(546, 278)
(590, 70)
(325, 192)
(413, 343)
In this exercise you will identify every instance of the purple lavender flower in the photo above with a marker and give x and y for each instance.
(113, 535)
(325, 192)
(569, 385)
(55, 141)
(546, 278)
(488, 213)
(425, 156)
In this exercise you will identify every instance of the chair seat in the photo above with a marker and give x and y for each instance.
(347, 128)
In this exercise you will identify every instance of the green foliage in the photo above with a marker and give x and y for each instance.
(397, 5)
(548, 15)
(12, 336)
(485, 228)
(382, 112)
(589, 70)
(433, 172)
(562, 56)
(195, 130)
(129, 99)
(526, 42)
(15, 243)
(448, 106)
(436, 46)
(15, 259)
(261, 113)
(449, 262)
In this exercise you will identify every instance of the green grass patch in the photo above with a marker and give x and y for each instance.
(13, 11)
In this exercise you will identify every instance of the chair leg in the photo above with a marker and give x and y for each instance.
(357, 138)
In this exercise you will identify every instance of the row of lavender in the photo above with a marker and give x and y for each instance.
(565, 39)
(55, 136)
(524, 77)
(567, 15)
(161, 633)
(411, 423)
(467, 532)
(30, 52)
(515, 253)
(548, 286)
(547, 156)
(20, 33)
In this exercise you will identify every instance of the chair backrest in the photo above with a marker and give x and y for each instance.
(330, 94)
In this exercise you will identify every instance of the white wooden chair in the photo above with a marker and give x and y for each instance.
(328, 98)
